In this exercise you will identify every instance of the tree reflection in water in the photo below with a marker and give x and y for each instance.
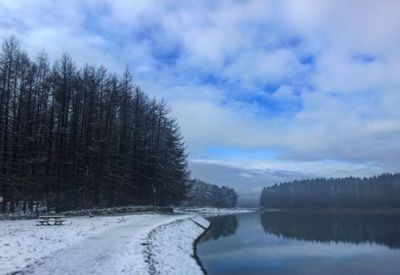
(221, 226)
(383, 229)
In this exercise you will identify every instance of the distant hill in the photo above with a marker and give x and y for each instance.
(377, 191)
(205, 194)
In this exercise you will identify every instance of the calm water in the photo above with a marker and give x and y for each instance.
(302, 243)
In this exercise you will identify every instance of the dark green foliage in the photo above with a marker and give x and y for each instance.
(221, 226)
(378, 191)
(381, 228)
(82, 137)
(205, 194)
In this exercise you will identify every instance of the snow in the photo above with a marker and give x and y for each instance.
(101, 245)
(165, 258)
(210, 211)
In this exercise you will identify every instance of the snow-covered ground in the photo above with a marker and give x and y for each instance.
(210, 211)
(178, 258)
(130, 244)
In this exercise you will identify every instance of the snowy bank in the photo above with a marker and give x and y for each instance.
(210, 211)
(118, 210)
(94, 211)
(170, 247)
(100, 245)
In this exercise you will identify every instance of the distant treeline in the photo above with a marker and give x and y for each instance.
(205, 194)
(81, 137)
(377, 191)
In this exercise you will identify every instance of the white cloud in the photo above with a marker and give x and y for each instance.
(346, 93)
(284, 93)
(253, 68)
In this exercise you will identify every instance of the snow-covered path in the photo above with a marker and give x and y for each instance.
(101, 245)
(105, 253)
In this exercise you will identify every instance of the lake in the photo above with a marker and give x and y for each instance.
(296, 242)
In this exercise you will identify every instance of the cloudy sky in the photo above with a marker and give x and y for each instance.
(265, 91)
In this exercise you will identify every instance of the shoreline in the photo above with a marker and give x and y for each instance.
(339, 210)
(103, 245)
(176, 240)
(195, 256)
(134, 243)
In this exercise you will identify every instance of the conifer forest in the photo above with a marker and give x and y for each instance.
(80, 137)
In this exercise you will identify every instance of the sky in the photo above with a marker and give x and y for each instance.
(265, 91)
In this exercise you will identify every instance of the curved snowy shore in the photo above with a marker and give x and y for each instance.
(130, 244)
(170, 247)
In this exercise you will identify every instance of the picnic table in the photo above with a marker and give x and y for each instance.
(51, 220)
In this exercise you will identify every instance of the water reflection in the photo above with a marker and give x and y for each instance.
(302, 244)
(222, 226)
(383, 229)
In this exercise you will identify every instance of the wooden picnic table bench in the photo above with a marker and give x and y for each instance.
(46, 220)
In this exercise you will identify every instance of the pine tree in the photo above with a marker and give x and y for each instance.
(79, 137)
